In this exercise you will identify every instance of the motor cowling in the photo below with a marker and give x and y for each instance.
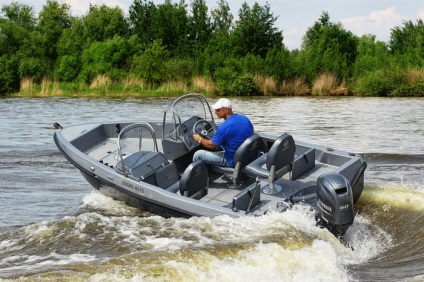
(334, 206)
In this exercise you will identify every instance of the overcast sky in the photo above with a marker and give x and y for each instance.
(376, 17)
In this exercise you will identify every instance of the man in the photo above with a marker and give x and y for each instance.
(230, 135)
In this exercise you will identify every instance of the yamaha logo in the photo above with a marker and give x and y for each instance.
(324, 206)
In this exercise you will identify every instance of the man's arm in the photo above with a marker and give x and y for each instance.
(207, 143)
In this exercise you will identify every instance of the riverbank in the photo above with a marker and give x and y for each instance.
(104, 87)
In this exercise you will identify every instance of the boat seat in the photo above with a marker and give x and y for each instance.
(167, 176)
(248, 151)
(143, 164)
(274, 164)
(194, 181)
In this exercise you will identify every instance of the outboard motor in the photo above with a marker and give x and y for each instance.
(334, 209)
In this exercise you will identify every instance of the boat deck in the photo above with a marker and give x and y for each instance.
(218, 192)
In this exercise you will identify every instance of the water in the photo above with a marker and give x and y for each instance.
(54, 227)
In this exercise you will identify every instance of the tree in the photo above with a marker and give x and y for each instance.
(407, 43)
(109, 57)
(222, 19)
(218, 48)
(103, 23)
(327, 47)
(12, 37)
(171, 22)
(20, 14)
(150, 65)
(70, 48)
(142, 19)
(199, 25)
(53, 19)
(371, 55)
(278, 64)
(255, 31)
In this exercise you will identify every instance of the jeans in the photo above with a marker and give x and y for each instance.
(208, 157)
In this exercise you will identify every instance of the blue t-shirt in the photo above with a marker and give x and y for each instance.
(231, 133)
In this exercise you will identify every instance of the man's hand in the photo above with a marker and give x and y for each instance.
(197, 138)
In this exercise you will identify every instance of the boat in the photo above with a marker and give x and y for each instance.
(148, 165)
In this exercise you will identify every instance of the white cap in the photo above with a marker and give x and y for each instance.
(221, 103)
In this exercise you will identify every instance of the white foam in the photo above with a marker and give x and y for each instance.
(275, 247)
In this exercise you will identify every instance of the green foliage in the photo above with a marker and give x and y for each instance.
(142, 15)
(371, 56)
(222, 19)
(213, 61)
(9, 78)
(380, 82)
(73, 40)
(20, 14)
(407, 44)
(255, 31)
(167, 43)
(279, 64)
(224, 78)
(231, 83)
(178, 70)
(200, 29)
(373, 83)
(328, 48)
(245, 86)
(109, 57)
(103, 23)
(252, 64)
(408, 90)
(12, 37)
(170, 26)
(150, 64)
(52, 21)
(32, 67)
(68, 68)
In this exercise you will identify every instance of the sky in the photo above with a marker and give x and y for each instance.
(375, 17)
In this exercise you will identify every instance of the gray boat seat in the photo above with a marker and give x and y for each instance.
(194, 181)
(142, 165)
(248, 151)
(274, 164)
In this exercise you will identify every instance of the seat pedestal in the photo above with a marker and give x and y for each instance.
(272, 189)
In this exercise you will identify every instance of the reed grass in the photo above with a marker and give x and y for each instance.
(415, 75)
(101, 82)
(295, 87)
(49, 88)
(203, 85)
(27, 86)
(324, 84)
(132, 82)
(266, 84)
(173, 87)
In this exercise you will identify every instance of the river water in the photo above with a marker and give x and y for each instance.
(54, 227)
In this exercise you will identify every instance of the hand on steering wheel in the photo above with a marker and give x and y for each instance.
(204, 128)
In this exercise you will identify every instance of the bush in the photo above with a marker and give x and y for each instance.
(178, 70)
(224, 77)
(107, 57)
(245, 86)
(67, 69)
(408, 90)
(9, 79)
(374, 83)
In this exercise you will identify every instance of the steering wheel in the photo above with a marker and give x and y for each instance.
(204, 128)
